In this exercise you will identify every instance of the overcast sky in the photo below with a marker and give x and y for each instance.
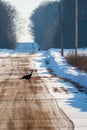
(25, 7)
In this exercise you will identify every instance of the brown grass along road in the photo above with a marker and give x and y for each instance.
(27, 105)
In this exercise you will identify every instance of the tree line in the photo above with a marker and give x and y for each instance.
(8, 24)
(60, 24)
(53, 24)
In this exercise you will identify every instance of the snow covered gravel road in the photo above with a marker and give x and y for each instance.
(28, 105)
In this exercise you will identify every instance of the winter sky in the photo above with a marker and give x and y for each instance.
(25, 8)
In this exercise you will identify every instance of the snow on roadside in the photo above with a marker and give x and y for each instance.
(62, 68)
(73, 103)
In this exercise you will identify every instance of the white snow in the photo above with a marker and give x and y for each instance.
(62, 68)
(73, 103)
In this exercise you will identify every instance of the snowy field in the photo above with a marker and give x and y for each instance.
(74, 104)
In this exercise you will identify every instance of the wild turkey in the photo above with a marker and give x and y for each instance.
(27, 77)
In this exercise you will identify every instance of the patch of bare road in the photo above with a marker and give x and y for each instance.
(27, 105)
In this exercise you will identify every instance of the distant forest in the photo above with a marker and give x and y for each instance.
(45, 26)
(9, 23)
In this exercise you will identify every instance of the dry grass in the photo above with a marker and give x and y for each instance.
(79, 61)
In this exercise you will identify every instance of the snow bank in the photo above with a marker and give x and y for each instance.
(62, 68)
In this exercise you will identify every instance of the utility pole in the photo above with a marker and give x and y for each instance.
(76, 28)
(60, 26)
